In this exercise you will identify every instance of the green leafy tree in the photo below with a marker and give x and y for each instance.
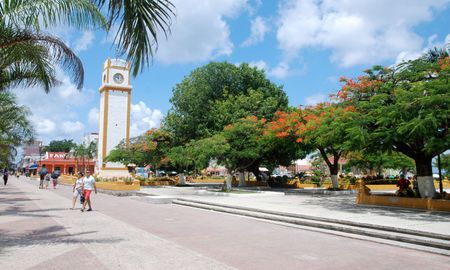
(60, 146)
(376, 162)
(405, 108)
(15, 128)
(322, 127)
(245, 146)
(218, 94)
(151, 148)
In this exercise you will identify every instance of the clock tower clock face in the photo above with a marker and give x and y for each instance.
(118, 78)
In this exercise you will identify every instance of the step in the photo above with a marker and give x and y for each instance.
(324, 219)
(438, 245)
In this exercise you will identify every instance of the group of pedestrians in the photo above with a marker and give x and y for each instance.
(45, 177)
(83, 188)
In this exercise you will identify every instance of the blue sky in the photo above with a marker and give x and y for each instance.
(305, 45)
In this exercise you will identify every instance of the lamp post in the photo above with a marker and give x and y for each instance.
(441, 189)
(40, 154)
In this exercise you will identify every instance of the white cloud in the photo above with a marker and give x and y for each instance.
(70, 128)
(315, 99)
(259, 65)
(56, 113)
(93, 117)
(281, 71)
(143, 118)
(357, 32)
(259, 28)
(84, 41)
(44, 126)
(199, 31)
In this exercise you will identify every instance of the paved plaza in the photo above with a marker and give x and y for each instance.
(39, 231)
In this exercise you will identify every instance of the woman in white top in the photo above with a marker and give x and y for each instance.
(77, 189)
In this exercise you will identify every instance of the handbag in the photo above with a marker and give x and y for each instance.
(81, 197)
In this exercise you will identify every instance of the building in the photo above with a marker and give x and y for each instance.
(89, 138)
(65, 163)
(31, 155)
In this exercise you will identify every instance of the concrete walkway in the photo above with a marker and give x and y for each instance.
(38, 231)
(337, 207)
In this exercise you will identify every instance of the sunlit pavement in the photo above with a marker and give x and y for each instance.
(39, 231)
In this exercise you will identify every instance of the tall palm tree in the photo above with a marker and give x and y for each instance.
(28, 56)
(15, 128)
(21, 22)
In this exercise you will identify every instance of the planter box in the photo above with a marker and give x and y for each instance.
(119, 185)
(364, 197)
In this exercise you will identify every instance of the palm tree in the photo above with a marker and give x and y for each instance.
(27, 55)
(15, 128)
(139, 22)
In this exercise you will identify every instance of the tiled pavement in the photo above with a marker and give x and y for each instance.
(38, 231)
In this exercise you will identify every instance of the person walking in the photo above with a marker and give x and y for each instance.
(55, 175)
(42, 173)
(5, 176)
(77, 189)
(87, 186)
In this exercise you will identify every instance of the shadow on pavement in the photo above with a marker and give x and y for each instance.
(50, 235)
(19, 211)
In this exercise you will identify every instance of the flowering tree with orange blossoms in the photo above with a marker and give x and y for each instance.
(405, 108)
(322, 127)
(150, 148)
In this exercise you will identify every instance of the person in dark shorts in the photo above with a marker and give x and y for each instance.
(5, 176)
(42, 173)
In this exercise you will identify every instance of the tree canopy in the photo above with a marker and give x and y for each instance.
(15, 128)
(219, 94)
(60, 146)
(405, 108)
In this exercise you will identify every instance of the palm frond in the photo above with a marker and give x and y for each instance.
(32, 55)
(46, 13)
(140, 22)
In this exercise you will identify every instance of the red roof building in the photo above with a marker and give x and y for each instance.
(65, 163)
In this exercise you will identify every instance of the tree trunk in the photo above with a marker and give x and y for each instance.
(182, 179)
(227, 184)
(334, 170)
(242, 179)
(425, 176)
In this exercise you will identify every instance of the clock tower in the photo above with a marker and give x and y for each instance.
(114, 115)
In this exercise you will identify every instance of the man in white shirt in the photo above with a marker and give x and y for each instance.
(87, 186)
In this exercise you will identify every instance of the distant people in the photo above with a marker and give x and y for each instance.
(87, 186)
(5, 176)
(17, 173)
(403, 185)
(54, 176)
(77, 190)
(42, 173)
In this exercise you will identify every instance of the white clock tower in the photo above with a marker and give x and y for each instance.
(114, 115)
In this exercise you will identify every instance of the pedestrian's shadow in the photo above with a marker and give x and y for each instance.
(50, 235)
